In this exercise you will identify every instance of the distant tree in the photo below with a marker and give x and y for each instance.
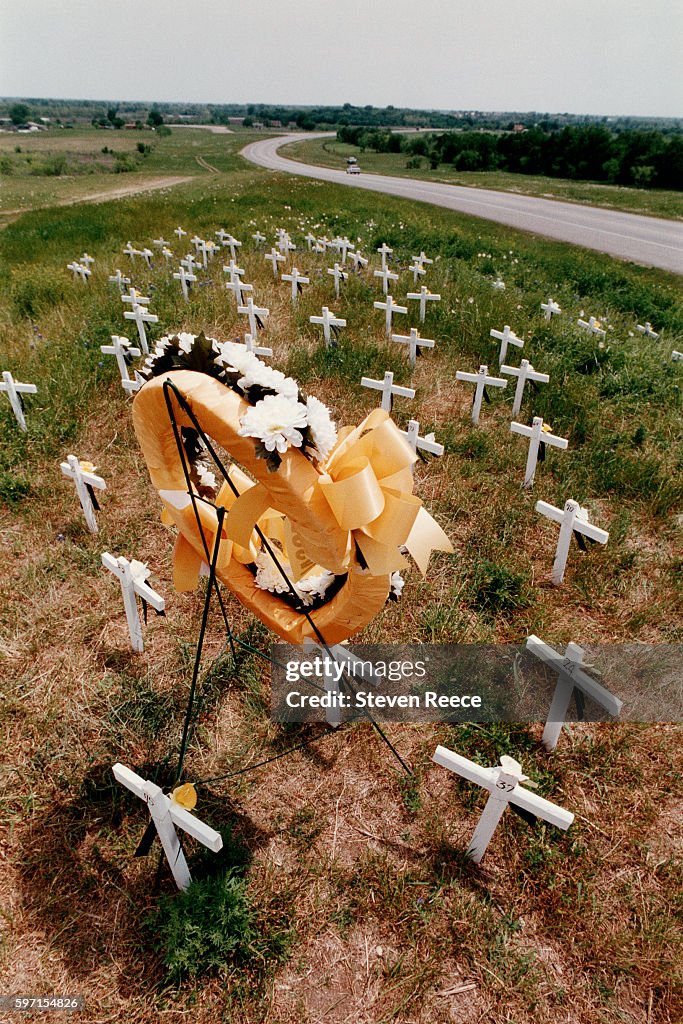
(248, 122)
(111, 114)
(19, 113)
(154, 118)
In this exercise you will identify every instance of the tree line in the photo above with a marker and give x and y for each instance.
(645, 159)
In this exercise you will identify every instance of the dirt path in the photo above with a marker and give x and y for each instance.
(205, 165)
(103, 197)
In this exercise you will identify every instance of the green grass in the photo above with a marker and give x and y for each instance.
(331, 153)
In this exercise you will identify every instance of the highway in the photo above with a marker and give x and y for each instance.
(650, 241)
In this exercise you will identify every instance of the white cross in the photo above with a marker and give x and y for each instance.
(87, 260)
(571, 675)
(238, 289)
(319, 247)
(414, 341)
(339, 275)
(186, 278)
(572, 519)
(256, 314)
(384, 251)
(550, 309)
(166, 815)
(259, 239)
(389, 308)
(676, 357)
(506, 337)
(167, 253)
(327, 321)
(422, 259)
(358, 261)
(344, 246)
(538, 435)
(423, 297)
(388, 389)
(147, 256)
(498, 285)
(179, 232)
(593, 326)
(221, 235)
(251, 347)
(425, 444)
(418, 271)
(233, 270)
(309, 239)
(481, 379)
(84, 477)
(14, 390)
(196, 242)
(386, 276)
(233, 245)
(119, 280)
(285, 243)
(128, 250)
(141, 316)
(523, 373)
(133, 579)
(121, 348)
(297, 280)
(190, 263)
(647, 329)
(503, 784)
(204, 248)
(160, 242)
(135, 298)
(274, 257)
(79, 270)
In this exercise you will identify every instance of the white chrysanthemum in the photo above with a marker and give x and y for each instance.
(313, 587)
(186, 341)
(397, 584)
(206, 477)
(266, 377)
(236, 357)
(268, 576)
(323, 432)
(275, 421)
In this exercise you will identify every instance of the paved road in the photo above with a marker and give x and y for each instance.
(646, 240)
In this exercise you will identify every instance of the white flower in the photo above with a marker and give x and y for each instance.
(206, 477)
(397, 584)
(313, 587)
(266, 377)
(235, 357)
(185, 341)
(268, 576)
(323, 432)
(274, 421)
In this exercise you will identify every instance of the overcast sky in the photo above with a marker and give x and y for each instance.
(580, 56)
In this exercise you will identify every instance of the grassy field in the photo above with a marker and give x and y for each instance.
(331, 153)
(343, 894)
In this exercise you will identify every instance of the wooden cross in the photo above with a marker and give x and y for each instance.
(252, 347)
(233, 245)
(573, 521)
(676, 357)
(285, 243)
(160, 242)
(196, 242)
(539, 435)
(135, 298)
(85, 480)
(328, 321)
(571, 676)
(132, 577)
(204, 248)
(190, 263)
(423, 297)
(179, 232)
(481, 380)
(503, 784)
(259, 239)
(141, 316)
(256, 314)
(344, 246)
(167, 253)
(319, 247)
(221, 235)
(593, 326)
(386, 276)
(186, 278)
(389, 307)
(358, 261)
(166, 815)
(523, 373)
(422, 259)
(238, 289)
(147, 256)
(339, 275)
(233, 270)
(310, 239)
(425, 444)
(384, 251)
(296, 279)
(274, 257)
(647, 329)
(79, 270)
(121, 348)
(87, 260)
(388, 389)
(550, 309)
(14, 390)
(414, 341)
(418, 271)
(128, 250)
(506, 337)
(120, 280)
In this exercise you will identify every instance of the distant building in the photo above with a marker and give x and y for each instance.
(519, 128)
(236, 120)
